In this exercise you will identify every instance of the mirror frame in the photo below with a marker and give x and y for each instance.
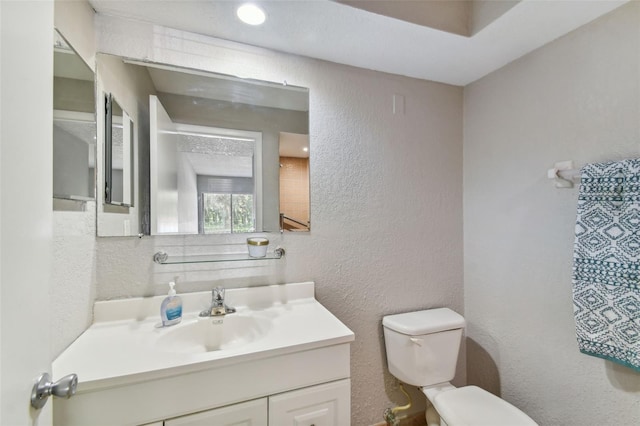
(108, 147)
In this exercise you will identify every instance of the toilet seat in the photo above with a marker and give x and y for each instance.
(472, 406)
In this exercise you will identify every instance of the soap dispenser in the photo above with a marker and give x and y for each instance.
(171, 308)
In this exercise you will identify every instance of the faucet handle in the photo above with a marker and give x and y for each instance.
(217, 294)
(218, 307)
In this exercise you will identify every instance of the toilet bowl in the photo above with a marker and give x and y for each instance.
(422, 350)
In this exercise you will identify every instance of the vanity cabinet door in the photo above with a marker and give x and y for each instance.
(322, 405)
(252, 413)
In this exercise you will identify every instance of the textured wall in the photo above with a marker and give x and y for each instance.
(577, 98)
(386, 199)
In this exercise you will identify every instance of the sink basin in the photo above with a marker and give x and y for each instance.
(208, 334)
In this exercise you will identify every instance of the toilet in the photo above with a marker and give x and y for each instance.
(422, 350)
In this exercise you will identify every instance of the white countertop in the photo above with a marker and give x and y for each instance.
(126, 343)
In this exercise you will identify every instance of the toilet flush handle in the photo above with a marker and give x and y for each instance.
(416, 340)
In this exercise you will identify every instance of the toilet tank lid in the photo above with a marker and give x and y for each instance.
(424, 322)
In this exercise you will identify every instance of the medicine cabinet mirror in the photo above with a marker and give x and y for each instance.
(74, 124)
(221, 154)
(122, 137)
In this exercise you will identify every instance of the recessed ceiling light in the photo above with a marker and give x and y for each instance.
(251, 14)
(305, 149)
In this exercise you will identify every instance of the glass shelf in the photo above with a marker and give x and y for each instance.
(163, 258)
(72, 197)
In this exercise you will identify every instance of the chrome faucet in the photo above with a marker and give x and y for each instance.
(218, 307)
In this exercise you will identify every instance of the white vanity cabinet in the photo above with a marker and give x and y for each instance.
(324, 405)
(252, 413)
(321, 405)
(286, 363)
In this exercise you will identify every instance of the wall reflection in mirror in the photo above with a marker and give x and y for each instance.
(215, 162)
(74, 126)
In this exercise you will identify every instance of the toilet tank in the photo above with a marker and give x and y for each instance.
(422, 346)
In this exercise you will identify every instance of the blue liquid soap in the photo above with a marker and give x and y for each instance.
(171, 307)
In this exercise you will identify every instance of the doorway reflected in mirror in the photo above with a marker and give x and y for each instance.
(294, 182)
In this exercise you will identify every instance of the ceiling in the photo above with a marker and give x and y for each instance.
(294, 145)
(67, 64)
(341, 33)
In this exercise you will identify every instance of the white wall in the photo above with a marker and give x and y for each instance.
(577, 98)
(74, 20)
(386, 199)
(187, 196)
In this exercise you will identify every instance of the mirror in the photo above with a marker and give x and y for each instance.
(214, 151)
(294, 182)
(122, 205)
(74, 125)
(118, 165)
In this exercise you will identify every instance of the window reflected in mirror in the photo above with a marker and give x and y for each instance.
(227, 213)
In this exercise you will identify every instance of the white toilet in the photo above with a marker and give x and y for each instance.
(422, 350)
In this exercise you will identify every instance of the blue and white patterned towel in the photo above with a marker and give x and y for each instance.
(606, 273)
